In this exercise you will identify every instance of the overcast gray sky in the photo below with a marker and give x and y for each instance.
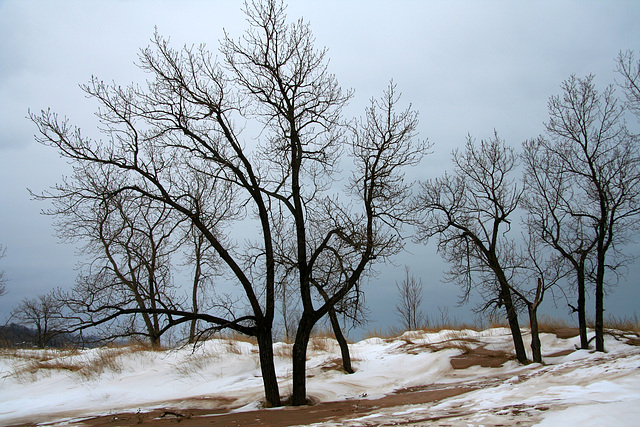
(466, 66)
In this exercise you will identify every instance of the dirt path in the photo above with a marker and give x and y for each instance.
(280, 417)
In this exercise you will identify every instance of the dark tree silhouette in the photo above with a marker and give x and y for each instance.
(470, 212)
(183, 133)
(584, 177)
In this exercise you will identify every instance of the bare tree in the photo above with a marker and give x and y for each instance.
(409, 292)
(471, 212)
(129, 241)
(45, 314)
(342, 242)
(3, 278)
(595, 162)
(629, 69)
(185, 128)
(205, 267)
(549, 199)
(546, 271)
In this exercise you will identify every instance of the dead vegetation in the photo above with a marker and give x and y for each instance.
(28, 365)
(626, 324)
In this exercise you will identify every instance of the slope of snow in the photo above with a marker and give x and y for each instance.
(582, 388)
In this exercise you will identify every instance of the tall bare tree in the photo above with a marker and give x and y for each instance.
(384, 144)
(550, 219)
(185, 128)
(471, 212)
(409, 292)
(586, 176)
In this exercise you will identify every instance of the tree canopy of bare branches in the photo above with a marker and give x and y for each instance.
(583, 186)
(45, 314)
(179, 143)
(629, 69)
(470, 212)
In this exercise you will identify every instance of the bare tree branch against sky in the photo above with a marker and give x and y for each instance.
(467, 67)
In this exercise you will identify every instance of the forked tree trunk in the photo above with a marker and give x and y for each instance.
(193, 328)
(154, 340)
(599, 317)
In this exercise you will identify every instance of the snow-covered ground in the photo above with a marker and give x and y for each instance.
(581, 388)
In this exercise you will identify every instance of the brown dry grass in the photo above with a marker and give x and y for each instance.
(237, 336)
(29, 364)
(322, 344)
(552, 325)
(283, 350)
(384, 334)
(626, 323)
(448, 325)
(322, 332)
(196, 362)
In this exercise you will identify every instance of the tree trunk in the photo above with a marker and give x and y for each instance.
(299, 390)
(269, 377)
(600, 300)
(192, 330)
(154, 341)
(512, 317)
(599, 317)
(194, 291)
(535, 335)
(582, 311)
(342, 342)
(40, 341)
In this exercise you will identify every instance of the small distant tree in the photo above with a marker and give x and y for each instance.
(471, 212)
(130, 242)
(44, 314)
(205, 264)
(409, 292)
(3, 278)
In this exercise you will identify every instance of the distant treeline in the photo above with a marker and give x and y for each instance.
(18, 336)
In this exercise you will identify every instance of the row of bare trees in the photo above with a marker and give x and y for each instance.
(179, 170)
(578, 204)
